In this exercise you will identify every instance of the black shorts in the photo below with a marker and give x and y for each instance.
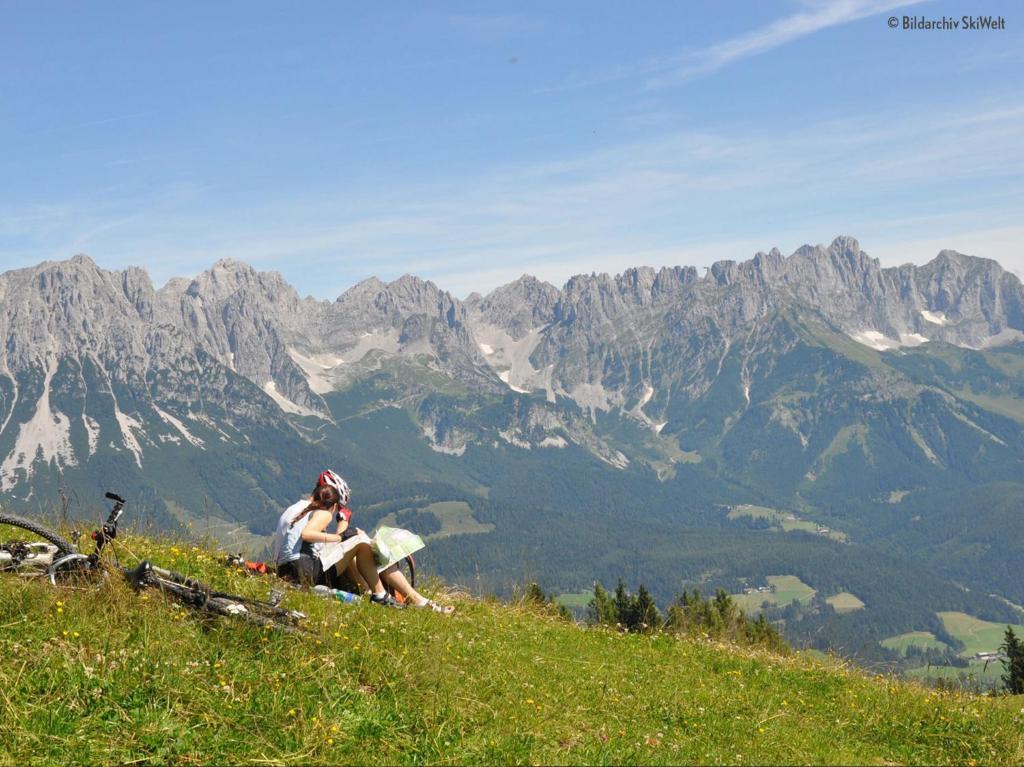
(305, 570)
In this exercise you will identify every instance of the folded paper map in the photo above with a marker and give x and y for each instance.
(389, 545)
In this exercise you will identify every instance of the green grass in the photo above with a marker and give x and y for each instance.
(456, 519)
(100, 675)
(977, 675)
(845, 602)
(844, 438)
(787, 521)
(922, 639)
(976, 634)
(754, 512)
(1003, 404)
(787, 588)
(577, 600)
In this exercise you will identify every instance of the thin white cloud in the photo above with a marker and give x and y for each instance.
(816, 17)
(680, 197)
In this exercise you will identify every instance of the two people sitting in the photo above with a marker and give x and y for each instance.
(302, 533)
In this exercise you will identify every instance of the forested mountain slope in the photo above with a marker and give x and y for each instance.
(811, 415)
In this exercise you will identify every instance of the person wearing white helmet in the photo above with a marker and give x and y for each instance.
(302, 532)
(333, 479)
(391, 575)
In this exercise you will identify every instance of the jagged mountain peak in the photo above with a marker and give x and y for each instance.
(228, 276)
(83, 260)
(371, 286)
(518, 307)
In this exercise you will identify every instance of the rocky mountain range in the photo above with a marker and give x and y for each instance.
(201, 360)
(875, 404)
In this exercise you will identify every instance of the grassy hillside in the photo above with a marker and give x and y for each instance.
(100, 675)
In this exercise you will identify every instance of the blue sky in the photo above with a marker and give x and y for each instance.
(469, 143)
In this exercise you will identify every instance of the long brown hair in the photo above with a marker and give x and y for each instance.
(324, 498)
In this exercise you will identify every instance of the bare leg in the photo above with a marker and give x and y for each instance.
(368, 569)
(353, 573)
(396, 579)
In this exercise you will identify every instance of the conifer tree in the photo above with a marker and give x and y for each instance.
(645, 611)
(1013, 663)
(624, 606)
(601, 609)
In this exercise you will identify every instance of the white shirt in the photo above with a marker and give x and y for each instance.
(288, 538)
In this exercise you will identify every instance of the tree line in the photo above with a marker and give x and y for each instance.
(718, 617)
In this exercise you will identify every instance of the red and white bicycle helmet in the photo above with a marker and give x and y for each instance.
(334, 480)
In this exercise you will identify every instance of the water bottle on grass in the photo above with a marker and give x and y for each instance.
(341, 596)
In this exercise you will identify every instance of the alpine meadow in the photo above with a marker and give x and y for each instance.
(573, 383)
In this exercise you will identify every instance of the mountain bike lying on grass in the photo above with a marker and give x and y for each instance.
(48, 554)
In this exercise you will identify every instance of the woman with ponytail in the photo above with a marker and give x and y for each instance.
(302, 532)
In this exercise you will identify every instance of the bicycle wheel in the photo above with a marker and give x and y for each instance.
(29, 548)
(34, 531)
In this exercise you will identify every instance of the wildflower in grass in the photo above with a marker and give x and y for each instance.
(75, 634)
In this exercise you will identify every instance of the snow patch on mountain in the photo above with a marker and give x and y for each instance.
(648, 393)
(875, 340)
(504, 376)
(936, 318)
(510, 358)
(912, 339)
(128, 424)
(189, 437)
(512, 437)
(286, 404)
(616, 459)
(553, 441)
(14, 400)
(317, 368)
(204, 419)
(46, 434)
(92, 432)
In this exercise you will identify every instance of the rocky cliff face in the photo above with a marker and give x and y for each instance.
(96, 361)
